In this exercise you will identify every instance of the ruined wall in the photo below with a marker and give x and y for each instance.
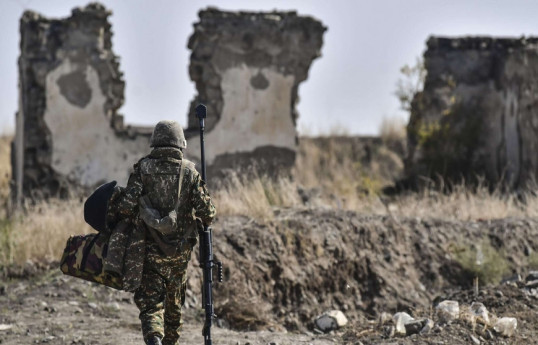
(68, 132)
(247, 68)
(478, 113)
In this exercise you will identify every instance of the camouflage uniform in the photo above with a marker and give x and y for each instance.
(162, 289)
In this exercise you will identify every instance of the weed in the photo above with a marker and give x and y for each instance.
(483, 261)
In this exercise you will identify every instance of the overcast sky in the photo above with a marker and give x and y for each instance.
(351, 86)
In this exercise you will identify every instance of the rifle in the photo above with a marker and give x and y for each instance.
(206, 246)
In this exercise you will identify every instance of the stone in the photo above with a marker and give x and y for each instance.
(330, 321)
(400, 320)
(415, 327)
(389, 331)
(5, 327)
(505, 326)
(474, 339)
(114, 306)
(429, 325)
(92, 305)
(533, 275)
(532, 284)
(476, 115)
(448, 311)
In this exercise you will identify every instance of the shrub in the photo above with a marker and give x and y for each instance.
(483, 261)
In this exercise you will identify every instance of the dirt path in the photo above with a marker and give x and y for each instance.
(57, 309)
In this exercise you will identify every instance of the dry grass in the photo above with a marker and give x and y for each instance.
(41, 233)
(255, 197)
(464, 204)
(393, 129)
(327, 176)
(333, 171)
(5, 171)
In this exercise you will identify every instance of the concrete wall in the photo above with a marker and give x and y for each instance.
(478, 112)
(69, 135)
(247, 68)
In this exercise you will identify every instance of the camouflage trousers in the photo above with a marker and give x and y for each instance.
(162, 294)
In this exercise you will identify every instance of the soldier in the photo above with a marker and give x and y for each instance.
(166, 196)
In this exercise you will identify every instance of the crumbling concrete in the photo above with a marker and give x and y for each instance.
(478, 112)
(69, 133)
(247, 68)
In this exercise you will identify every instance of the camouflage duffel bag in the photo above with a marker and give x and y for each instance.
(83, 258)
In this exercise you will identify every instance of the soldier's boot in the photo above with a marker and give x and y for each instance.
(153, 340)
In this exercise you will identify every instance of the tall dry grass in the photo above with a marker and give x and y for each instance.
(464, 204)
(5, 171)
(39, 233)
(327, 176)
(392, 129)
(255, 197)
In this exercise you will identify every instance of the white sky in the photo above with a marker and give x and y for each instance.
(351, 86)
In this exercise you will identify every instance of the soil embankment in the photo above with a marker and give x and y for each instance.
(281, 274)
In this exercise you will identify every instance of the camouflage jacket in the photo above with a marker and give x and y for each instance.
(156, 176)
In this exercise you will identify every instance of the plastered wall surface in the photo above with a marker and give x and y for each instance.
(251, 117)
(247, 67)
(85, 148)
(70, 137)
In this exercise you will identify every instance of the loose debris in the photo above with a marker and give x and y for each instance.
(331, 321)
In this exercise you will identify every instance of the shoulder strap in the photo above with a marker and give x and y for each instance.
(180, 182)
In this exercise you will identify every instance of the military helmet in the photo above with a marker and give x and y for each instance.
(168, 133)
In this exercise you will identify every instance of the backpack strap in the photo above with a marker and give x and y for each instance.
(180, 183)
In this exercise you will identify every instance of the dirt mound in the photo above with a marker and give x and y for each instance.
(304, 262)
(507, 300)
(285, 272)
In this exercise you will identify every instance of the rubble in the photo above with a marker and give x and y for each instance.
(330, 321)
(418, 326)
(505, 326)
(448, 311)
(400, 321)
(428, 327)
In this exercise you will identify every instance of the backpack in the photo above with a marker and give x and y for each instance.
(161, 227)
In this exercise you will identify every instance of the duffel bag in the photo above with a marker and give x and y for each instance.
(84, 257)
